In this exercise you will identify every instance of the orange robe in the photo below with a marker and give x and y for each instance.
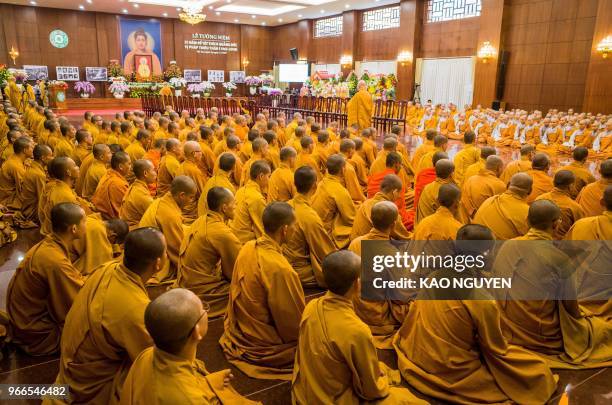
(360, 109)
(542, 183)
(11, 181)
(135, 202)
(464, 159)
(32, 188)
(191, 169)
(168, 169)
(95, 171)
(441, 225)
(374, 182)
(571, 211)
(250, 204)
(109, 194)
(95, 249)
(221, 179)
(281, 186)
(428, 200)
(514, 167)
(505, 214)
(334, 205)
(476, 190)
(363, 222)
(581, 173)
(55, 192)
(590, 197)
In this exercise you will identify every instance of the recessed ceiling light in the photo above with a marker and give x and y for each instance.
(210, 7)
(218, 13)
(236, 20)
(228, 1)
(89, 1)
(124, 11)
(136, 6)
(178, 9)
(299, 15)
(81, 7)
(263, 23)
(33, 3)
(165, 14)
(347, 6)
(322, 11)
(280, 20)
(253, 16)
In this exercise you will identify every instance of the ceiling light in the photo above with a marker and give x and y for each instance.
(192, 13)
(263, 23)
(236, 20)
(210, 7)
(347, 6)
(253, 16)
(178, 9)
(89, 1)
(33, 3)
(322, 11)
(165, 14)
(218, 13)
(136, 6)
(81, 7)
(299, 15)
(124, 11)
(280, 20)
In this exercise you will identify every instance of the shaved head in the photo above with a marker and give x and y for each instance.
(190, 148)
(227, 161)
(494, 163)
(140, 166)
(540, 162)
(543, 214)
(119, 228)
(183, 184)
(335, 164)
(217, 197)
(440, 140)
(448, 195)
(277, 215)
(607, 198)
(390, 143)
(143, 246)
(391, 182)
(99, 149)
(64, 215)
(304, 179)
(383, 215)
(606, 169)
(526, 150)
(564, 179)
(340, 270)
(487, 151)
(444, 168)
(439, 155)
(521, 183)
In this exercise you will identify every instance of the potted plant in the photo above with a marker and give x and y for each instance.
(252, 82)
(229, 88)
(85, 89)
(208, 88)
(118, 88)
(177, 84)
(196, 89)
(266, 80)
(115, 70)
(4, 76)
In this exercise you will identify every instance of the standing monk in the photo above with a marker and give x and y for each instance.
(138, 197)
(360, 107)
(112, 187)
(266, 302)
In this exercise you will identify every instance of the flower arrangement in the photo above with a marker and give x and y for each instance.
(275, 91)
(252, 81)
(119, 87)
(58, 84)
(177, 82)
(84, 88)
(5, 74)
(20, 76)
(379, 86)
(266, 79)
(229, 87)
(114, 69)
(173, 71)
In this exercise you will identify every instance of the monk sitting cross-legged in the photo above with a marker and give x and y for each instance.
(581, 172)
(571, 211)
(45, 284)
(475, 168)
(542, 183)
(595, 227)
(13, 171)
(281, 187)
(97, 246)
(427, 200)
(266, 302)
(466, 157)
(112, 187)
(478, 188)
(591, 195)
(442, 224)
(208, 252)
(336, 360)
(138, 197)
(93, 170)
(518, 166)
(250, 203)
(426, 176)
(221, 178)
(485, 368)
(168, 166)
(440, 144)
(32, 188)
(191, 168)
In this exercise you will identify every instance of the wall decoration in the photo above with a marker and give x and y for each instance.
(141, 47)
(36, 72)
(210, 44)
(192, 75)
(67, 73)
(216, 76)
(58, 39)
(96, 74)
(237, 76)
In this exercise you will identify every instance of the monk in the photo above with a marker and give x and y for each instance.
(519, 166)
(138, 149)
(13, 172)
(485, 367)
(306, 158)
(542, 183)
(93, 170)
(466, 157)
(426, 176)
(208, 252)
(221, 178)
(32, 188)
(440, 145)
(368, 150)
(65, 144)
(478, 188)
(442, 224)
(475, 168)
(259, 152)
(165, 214)
(351, 177)
(266, 302)
(250, 203)
(360, 107)
(138, 197)
(506, 213)
(308, 245)
(595, 227)
(390, 189)
(333, 202)
(281, 186)
(427, 201)
(582, 174)
(169, 166)
(554, 329)
(105, 330)
(591, 195)
(345, 367)
(571, 211)
(45, 284)
(191, 167)
(113, 186)
(63, 172)
(177, 322)
(83, 148)
(232, 147)
(424, 148)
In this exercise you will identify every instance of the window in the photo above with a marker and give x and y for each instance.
(446, 10)
(381, 18)
(328, 27)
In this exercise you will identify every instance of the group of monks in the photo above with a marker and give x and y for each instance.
(236, 215)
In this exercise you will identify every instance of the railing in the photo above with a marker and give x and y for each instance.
(324, 109)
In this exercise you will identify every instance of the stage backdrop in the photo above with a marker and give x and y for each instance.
(141, 46)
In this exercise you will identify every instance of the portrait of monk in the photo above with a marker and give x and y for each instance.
(141, 58)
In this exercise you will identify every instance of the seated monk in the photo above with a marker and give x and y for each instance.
(221, 178)
(424, 148)
(309, 243)
(138, 149)
(305, 156)
(466, 157)
(359, 164)
(345, 368)
(506, 213)
(578, 135)
(426, 176)
(475, 168)
(138, 197)
(208, 252)
(93, 170)
(168, 166)
(440, 145)
(485, 367)
(63, 172)
(105, 330)
(427, 200)
(595, 227)
(233, 143)
(45, 284)
(259, 152)
(550, 138)
(281, 186)
(112, 187)
(591, 195)
(542, 183)
(442, 224)
(582, 174)
(97, 246)
(250, 203)
(165, 214)
(390, 189)
(519, 166)
(478, 188)
(351, 177)
(191, 168)
(333, 202)
(602, 143)
(266, 302)
(32, 187)
(571, 211)
(169, 372)
(382, 316)
(13, 171)
(555, 329)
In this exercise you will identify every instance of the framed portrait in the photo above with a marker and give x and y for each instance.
(192, 75)
(96, 74)
(143, 66)
(216, 76)
(141, 38)
(237, 76)
(36, 72)
(67, 73)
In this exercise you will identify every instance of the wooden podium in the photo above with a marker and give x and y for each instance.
(57, 98)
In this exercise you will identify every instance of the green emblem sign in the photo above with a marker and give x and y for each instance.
(58, 39)
(61, 96)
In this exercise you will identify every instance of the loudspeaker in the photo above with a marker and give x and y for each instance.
(501, 75)
(294, 53)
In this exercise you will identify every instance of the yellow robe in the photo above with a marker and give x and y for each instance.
(40, 294)
(95, 249)
(32, 187)
(135, 203)
(335, 207)
(109, 194)
(360, 109)
(168, 169)
(250, 204)
(421, 151)
(206, 261)
(363, 222)
(309, 243)
(11, 181)
(135, 151)
(464, 159)
(505, 214)
(428, 201)
(590, 197)
(55, 192)
(441, 225)
(263, 315)
(592, 228)
(571, 211)
(514, 167)
(64, 147)
(281, 186)
(542, 183)
(336, 360)
(191, 169)
(220, 179)
(105, 333)
(94, 174)
(476, 190)
(473, 169)
(581, 173)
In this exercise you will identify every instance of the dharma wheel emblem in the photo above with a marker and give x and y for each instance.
(58, 39)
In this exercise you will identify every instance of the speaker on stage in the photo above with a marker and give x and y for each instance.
(294, 53)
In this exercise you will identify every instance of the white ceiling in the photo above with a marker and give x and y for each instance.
(254, 12)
